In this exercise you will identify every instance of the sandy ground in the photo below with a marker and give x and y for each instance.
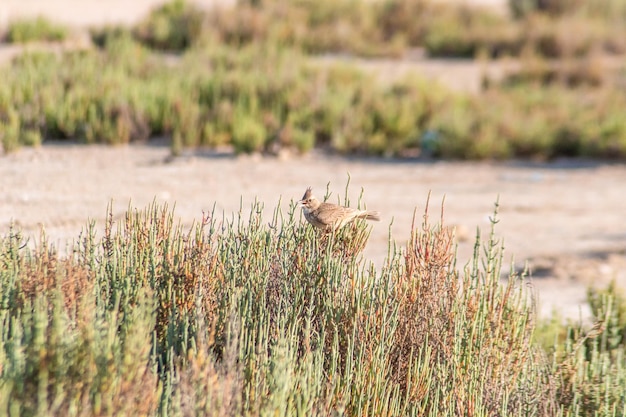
(565, 218)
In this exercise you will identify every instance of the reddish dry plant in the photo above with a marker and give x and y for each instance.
(134, 392)
(210, 388)
(438, 310)
(425, 292)
(47, 273)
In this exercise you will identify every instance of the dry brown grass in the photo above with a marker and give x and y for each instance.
(442, 313)
(425, 292)
(208, 386)
(46, 274)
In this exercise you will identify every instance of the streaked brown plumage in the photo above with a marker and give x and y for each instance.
(329, 216)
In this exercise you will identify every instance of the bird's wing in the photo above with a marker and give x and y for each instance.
(330, 213)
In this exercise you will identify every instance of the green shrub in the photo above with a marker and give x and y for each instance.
(590, 361)
(174, 26)
(298, 131)
(470, 131)
(606, 9)
(346, 26)
(569, 72)
(406, 20)
(568, 36)
(38, 29)
(389, 28)
(608, 306)
(259, 99)
(531, 121)
(469, 31)
(102, 36)
(521, 8)
(31, 137)
(186, 125)
(10, 131)
(248, 133)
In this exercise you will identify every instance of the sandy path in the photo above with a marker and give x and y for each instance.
(567, 218)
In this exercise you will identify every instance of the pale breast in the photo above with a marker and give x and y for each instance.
(312, 218)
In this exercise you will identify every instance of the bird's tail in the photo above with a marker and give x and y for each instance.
(370, 215)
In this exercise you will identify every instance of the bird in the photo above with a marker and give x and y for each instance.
(327, 216)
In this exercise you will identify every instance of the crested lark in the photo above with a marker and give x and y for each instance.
(329, 216)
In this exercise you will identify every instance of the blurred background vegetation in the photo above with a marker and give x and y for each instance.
(247, 78)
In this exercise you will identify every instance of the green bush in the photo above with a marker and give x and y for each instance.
(248, 133)
(606, 9)
(260, 98)
(552, 28)
(591, 359)
(325, 26)
(464, 31)
(38, 29)
(173, 26)
(531, 122)
(608, 306)
(102, 36)
(10, 131)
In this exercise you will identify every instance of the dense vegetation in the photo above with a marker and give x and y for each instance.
(244, 78)
(243, 317)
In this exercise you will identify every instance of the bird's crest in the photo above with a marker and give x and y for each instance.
(307, 194)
